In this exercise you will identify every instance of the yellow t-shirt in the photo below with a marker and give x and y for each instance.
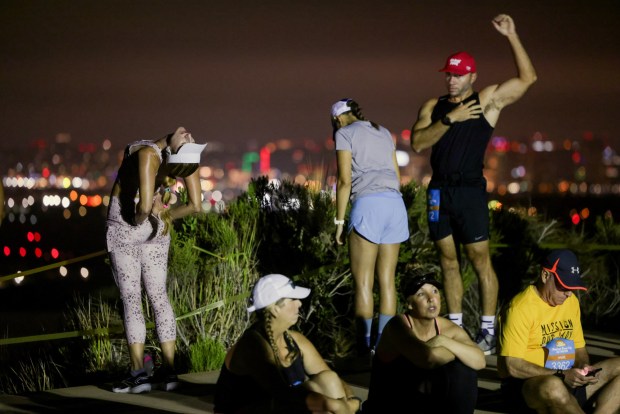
(530, 323)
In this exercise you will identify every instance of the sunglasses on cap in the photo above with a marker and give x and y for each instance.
(411, 286)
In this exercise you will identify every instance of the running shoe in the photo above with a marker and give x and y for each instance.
(165, 380)
(133, 385)
(486, 342)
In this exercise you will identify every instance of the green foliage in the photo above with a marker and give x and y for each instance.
(97, 353)
(328, 320)
(206, 354)
(32, 370)
(213, 260)
(295, 223)
(602, 303)
(296, 232)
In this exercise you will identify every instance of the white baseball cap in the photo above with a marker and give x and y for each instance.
(271, 288)
(341, 107)
(189, 153)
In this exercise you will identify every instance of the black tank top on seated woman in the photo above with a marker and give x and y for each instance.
(242, 394)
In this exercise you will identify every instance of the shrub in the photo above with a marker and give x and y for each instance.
(206, 354)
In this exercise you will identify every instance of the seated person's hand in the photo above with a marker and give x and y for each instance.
(354, 404)
(577, 377)
(436, 341)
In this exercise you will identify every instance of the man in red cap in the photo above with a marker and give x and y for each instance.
(543, 361)
(458, 127)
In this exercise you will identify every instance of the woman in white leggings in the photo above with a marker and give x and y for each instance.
(138, 238)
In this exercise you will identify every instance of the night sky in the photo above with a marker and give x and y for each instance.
(254, 71)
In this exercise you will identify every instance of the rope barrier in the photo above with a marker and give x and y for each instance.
(588, 247)
(52, 266)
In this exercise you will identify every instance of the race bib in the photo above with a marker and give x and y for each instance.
(559, 354)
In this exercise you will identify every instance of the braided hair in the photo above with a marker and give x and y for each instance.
(265, 317)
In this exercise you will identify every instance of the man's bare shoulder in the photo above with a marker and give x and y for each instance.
(424, 114)
(430, 103)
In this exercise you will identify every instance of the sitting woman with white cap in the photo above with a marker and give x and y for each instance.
(272, 369)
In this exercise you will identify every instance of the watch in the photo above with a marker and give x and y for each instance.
(338, 222)
(560, 374)
(446, 121)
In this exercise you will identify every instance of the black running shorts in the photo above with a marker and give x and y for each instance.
(463, 213)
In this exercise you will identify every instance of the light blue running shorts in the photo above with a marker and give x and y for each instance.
(380, 218)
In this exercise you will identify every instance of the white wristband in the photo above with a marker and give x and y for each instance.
(338, 222)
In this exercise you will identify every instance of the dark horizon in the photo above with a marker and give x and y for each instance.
(240, 71)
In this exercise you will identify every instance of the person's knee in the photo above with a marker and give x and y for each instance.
(462, 373)
(363, 286)
(450, 267)
(612, 367)
(553, 392)
(480, 259)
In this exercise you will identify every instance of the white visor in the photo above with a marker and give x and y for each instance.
(188, 154)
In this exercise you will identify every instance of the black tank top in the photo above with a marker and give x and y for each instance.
(393, 384)
(295, 373)
(234, 392)
(461, 149)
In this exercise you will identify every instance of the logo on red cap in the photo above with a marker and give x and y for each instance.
(460, 63)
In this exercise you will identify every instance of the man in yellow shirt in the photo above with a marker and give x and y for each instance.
(543, 361)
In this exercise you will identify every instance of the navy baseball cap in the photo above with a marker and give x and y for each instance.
(564, 265)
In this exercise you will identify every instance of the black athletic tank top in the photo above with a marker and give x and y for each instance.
(236, 393)
(295, 373)
(393, 384)
(461, 149)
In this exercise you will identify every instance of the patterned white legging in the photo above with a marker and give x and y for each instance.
(135, 262)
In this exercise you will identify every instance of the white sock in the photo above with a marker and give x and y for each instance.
(488, 323)
(457, 318)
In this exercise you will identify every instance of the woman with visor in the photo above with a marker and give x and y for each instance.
(138, 239)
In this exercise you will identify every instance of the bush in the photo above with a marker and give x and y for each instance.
(206, 354)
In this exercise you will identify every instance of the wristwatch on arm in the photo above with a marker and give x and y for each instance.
(446, 121)
(338, 222)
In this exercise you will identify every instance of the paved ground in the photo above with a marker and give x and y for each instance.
(196, 393)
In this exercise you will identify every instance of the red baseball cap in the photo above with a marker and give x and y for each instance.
(460, 63)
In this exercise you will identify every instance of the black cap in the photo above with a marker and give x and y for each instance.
(564, 265)
(410, 285)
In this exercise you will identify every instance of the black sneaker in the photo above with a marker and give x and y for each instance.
(133, 385)
(166, 380)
